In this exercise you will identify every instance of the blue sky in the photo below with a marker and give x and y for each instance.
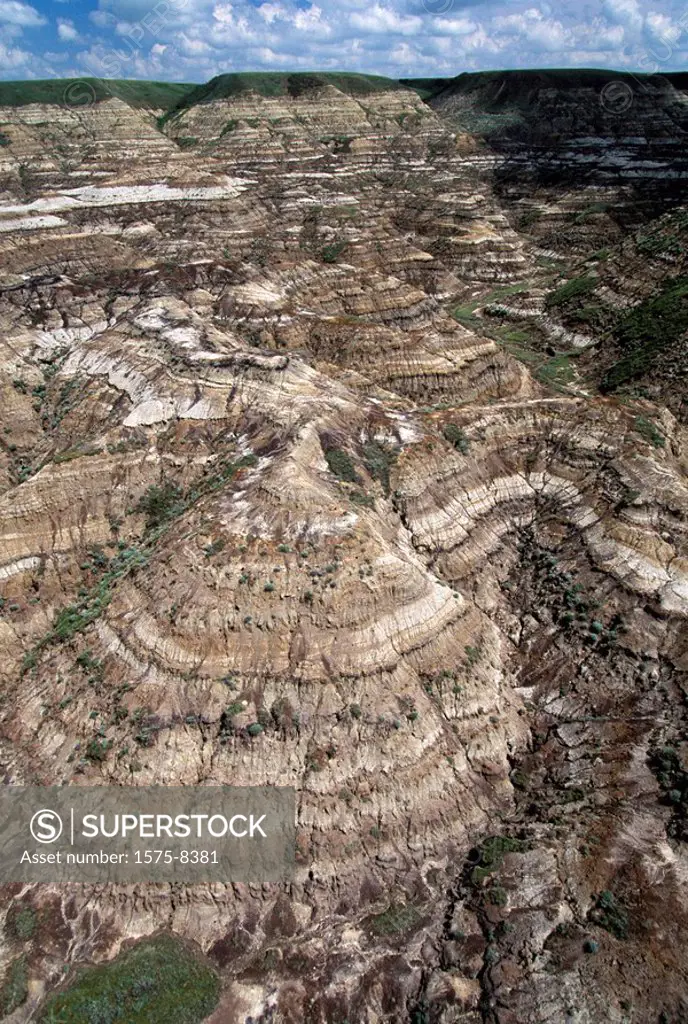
(192, 40)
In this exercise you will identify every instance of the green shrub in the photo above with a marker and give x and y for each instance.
(160, 504)
(15, 987)
(488, 857)
(472, 654)
(21, 922)
(157, 981)
(379, 459)
(341, 465)
(573, 289)
(456, 437)
(649, 431)
(331, 253)
(96, 750)
(399, 917)
(497, 896)
(610, 914)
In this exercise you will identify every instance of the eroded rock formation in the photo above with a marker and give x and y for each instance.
(302, 425)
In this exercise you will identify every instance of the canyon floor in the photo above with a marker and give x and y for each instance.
(343, 446)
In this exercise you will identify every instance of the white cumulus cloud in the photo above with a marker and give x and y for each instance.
(15, 13)
(386, 20)
(67, 31)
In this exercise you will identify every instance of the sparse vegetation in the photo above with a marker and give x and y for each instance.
(331, 253)
(488, 857)
(397, 919)
(666, 765)
(160, 504)
(649, 334)
(647, 429)
(155, 982)
(15, 986)
(456, 437)
(341, 466)
(379, 459)
(556, 372)
(610, 914)
(571, 290)
(21, 922)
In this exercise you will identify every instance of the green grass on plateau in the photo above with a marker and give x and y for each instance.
(81, 92)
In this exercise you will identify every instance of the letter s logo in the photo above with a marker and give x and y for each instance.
(46, 826)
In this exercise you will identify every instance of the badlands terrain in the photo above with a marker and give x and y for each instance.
(343, 433)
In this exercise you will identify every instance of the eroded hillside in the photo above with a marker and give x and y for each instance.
(340, 448)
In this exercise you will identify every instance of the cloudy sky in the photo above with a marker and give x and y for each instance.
(192, 40)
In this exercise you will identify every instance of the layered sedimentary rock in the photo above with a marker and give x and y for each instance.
(297, 431)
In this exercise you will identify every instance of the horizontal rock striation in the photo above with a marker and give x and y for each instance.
(310, 476)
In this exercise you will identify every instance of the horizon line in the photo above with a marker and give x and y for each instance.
(365, 74)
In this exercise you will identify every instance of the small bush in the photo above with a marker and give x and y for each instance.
(341, 466)
(488, 857)
(214, 548)
(160, 504)
(573, 289)
(15, 987)
(497, 896)
(331, 253)
(611, 915)
(21, 922)
(456, 437)
(396, 919)
(649, 431)
(379, 459)
(96, 750)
